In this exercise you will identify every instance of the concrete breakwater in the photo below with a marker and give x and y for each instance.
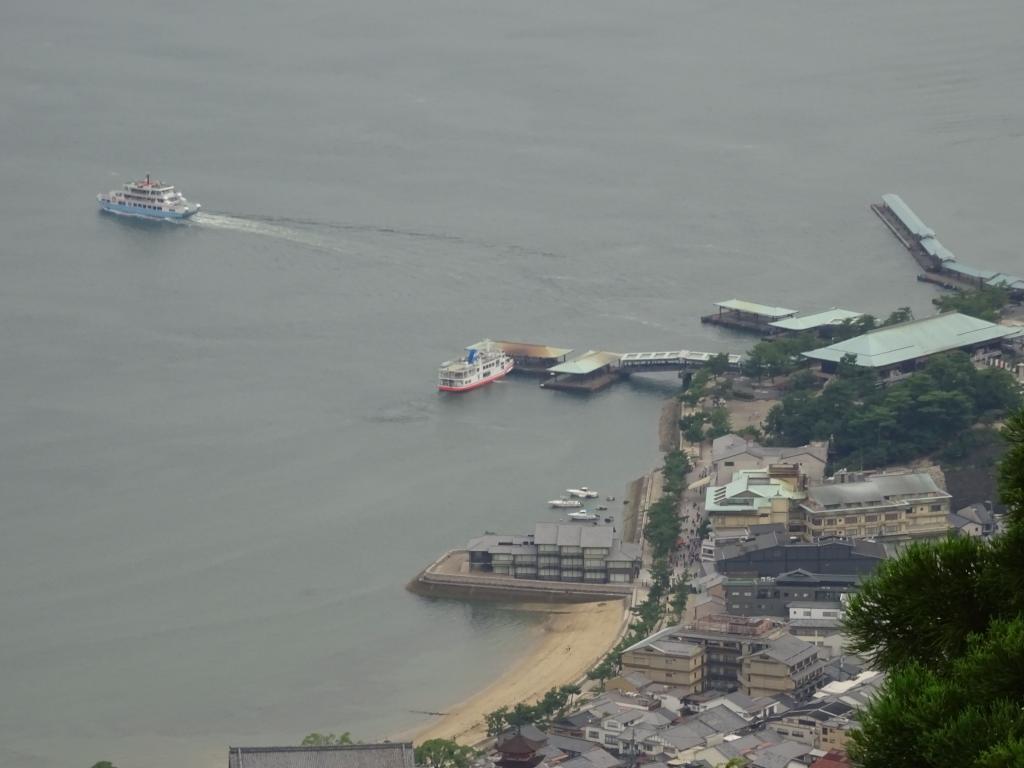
(449, 576)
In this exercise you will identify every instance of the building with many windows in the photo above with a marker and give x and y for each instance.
(894, 506)
(787, 665)
(725, 639)
(772, 596)
(663, 659)
(732, 453)
(773, 552)
(583, 552)
(754, 496)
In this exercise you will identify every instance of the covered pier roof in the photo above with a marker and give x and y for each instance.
(752, 308)
(589, 362)
(911, 341)
(524, 349)
(834, 316)
(909, 219)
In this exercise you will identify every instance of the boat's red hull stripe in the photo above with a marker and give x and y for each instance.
(475, 384)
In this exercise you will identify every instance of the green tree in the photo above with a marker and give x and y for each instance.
(897, 316)
(945, 621)
(719, 423)
(718, 364)
(680, 594)
(660, 573)
(327, 740)
(986, 303)
(495, 721)
(444, 753)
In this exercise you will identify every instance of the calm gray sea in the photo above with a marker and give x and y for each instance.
(221, 454)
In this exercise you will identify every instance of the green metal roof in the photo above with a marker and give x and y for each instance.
(910, 341)
(832, 316)
(523, 349)
(751, 308)
(586, 363)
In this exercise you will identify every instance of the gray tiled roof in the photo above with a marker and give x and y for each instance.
(789, 650)
(721, 719)
(733, 445)
(390, 755)
(573, 534)
(875, 488)
(663, 642)
(976, 513)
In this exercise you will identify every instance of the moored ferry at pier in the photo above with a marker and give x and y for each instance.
(482, 364)
(147, 198)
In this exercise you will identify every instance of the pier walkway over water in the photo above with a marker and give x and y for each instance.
(677, 360)
(940, 264)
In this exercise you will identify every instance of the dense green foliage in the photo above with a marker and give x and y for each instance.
(444, 753)
(945, 621)
(692, 426)
(871, 425)
(717, 419)
(985, 303)
(778, 356)
(697, 389)
(680, 594)
(327, 740)
(662, 534)
(551, 706)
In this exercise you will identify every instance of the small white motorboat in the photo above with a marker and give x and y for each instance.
(582, 492)
(582, 516)
(564, 503)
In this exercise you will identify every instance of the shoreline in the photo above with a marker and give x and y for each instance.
(571, 640)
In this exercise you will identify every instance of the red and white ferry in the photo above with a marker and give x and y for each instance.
(483, 363)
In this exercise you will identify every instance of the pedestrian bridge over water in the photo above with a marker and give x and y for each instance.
(676, 360)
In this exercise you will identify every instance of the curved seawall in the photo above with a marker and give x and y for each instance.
(448, 576)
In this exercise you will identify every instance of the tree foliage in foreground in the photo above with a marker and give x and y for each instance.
(945, 621)
(872, 426)
(444, 753)
(662, 533)
(551, 706)
(986, 303)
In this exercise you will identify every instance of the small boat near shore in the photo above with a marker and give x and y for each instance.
(582, 493)
(582, 516)
(148, 199)
(565, 503)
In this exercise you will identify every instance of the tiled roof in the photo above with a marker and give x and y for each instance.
(875, 489)
(388, 755)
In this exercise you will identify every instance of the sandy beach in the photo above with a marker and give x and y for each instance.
(571, 639)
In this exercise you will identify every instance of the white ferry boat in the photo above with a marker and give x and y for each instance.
(482, 364)
(564, 503)
(582, 493)
(149, 199)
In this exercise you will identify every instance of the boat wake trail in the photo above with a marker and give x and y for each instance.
(261, 227)
(324, 235)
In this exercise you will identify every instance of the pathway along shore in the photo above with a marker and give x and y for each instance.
(571, 640)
